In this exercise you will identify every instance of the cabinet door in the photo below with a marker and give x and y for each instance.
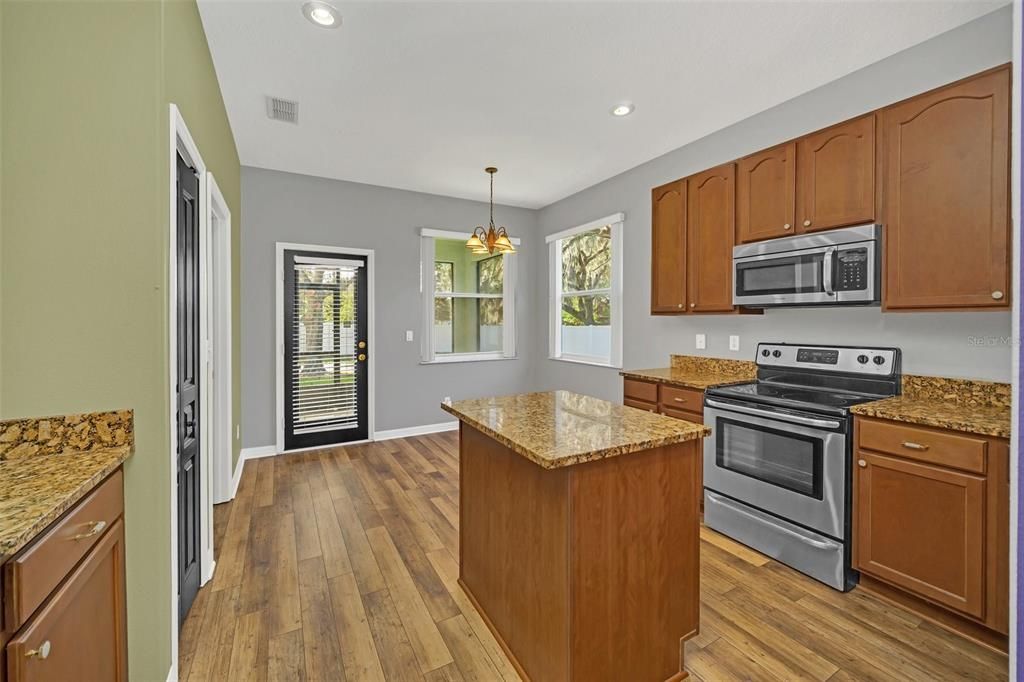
(668, 248)
(766, 194)
(946, 196)
(710, 234)
(921, 527)
(80, 633)
(836, 170)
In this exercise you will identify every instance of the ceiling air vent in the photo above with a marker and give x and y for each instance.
(282, 110)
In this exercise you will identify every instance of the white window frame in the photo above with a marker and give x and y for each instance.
(554, 241)
(508, 296)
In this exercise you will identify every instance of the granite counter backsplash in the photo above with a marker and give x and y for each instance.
(65, 435)
(981, 407)
(697, 372)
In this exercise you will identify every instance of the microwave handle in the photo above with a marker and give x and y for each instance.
(828, 265)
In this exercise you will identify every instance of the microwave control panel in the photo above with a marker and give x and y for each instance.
(852, 270)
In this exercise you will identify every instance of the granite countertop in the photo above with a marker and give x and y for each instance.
(979, 407)
(560, 428)
(35, 491)
(699, 372)
(48, 464)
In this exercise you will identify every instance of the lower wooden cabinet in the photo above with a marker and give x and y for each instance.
(64, 596)
(931, 517)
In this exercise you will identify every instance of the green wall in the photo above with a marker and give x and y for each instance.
(84, 176)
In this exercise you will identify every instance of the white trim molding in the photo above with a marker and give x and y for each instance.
(407, 432)
(592, 225)
(371, 273)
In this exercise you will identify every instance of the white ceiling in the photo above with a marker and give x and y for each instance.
(423, 95)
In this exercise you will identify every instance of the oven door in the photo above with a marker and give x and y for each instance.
(816, 276)
(790, 464)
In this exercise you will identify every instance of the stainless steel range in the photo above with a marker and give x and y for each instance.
(777, 466)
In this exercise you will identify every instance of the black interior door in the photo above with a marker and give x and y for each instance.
(188, 354)
(326, 349)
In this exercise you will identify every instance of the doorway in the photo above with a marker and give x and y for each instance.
(325, 362)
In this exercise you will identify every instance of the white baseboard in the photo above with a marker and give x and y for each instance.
(172, 674)
(416, 430)
(256, 453)
(212, 563)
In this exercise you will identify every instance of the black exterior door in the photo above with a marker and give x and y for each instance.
(326, 349)
(189, 363)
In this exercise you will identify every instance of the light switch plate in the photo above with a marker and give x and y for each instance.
(408, 335)
(702, 341)
(734, 342)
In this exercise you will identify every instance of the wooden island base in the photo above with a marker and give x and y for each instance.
(584, 572)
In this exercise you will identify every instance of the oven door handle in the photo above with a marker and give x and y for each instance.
(780, 416)
(725, 502)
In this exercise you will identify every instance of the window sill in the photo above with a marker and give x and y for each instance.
(586, 361)
(467, 357)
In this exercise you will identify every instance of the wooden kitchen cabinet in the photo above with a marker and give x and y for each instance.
(710, 233)
(931, 523)
(945, 196)
(766, 194)
(836, 176)
(80, 633)
(668, 248)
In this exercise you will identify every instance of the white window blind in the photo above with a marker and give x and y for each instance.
(323, 340)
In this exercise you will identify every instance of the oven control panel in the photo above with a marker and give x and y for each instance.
(872, 361)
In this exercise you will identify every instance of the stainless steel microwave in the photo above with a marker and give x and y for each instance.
(836, 267)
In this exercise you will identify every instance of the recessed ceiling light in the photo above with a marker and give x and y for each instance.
(322, 14)
(624, 109)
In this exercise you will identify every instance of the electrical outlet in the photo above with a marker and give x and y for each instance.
(408, 335)
(702, 341)
(734, 342)
(447, 400)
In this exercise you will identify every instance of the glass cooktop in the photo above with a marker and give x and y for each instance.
(799, 397)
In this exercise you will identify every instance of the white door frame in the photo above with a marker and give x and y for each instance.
(212, 430)
(281, 247)
(219, 314)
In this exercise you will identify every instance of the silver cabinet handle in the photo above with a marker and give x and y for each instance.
(819, 544)
(807, 223)
(679, 400)
(914, 446)
(41, 653)
(779, 416)
(861, 463)
(997, 295)
(95, 529)
(826, 274)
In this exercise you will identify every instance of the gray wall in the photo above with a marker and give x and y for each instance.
(299, 208)
(933, 343)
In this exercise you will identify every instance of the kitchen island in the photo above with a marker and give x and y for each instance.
(579, 533)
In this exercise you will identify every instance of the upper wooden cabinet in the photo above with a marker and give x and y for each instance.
(711, 226)
(945, 175)
(668, 248)
(766, 194)
(836, 176)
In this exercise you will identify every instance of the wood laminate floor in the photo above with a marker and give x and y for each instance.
(341, 564)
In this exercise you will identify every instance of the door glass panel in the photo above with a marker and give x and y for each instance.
(790, 274)
(783, 459)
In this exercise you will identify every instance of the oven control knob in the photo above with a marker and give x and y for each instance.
(766, 352)
(862, 359)
(776, 353)
(879, 360)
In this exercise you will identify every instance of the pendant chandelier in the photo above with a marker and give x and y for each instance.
(492, 239)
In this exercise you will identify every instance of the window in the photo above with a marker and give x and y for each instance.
(468, 300)
(585, 282)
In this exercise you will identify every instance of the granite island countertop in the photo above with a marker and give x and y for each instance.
(979, 407)
(47, 465)
(698, 372)
(560, 428)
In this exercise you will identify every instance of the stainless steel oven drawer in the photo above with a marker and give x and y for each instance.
(818, 556)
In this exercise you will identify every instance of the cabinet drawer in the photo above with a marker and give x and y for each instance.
(80, 633)
(923, 444)
(640, 405)
(688, 399)
(32, 575)
(695, 417)
(640, 390)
